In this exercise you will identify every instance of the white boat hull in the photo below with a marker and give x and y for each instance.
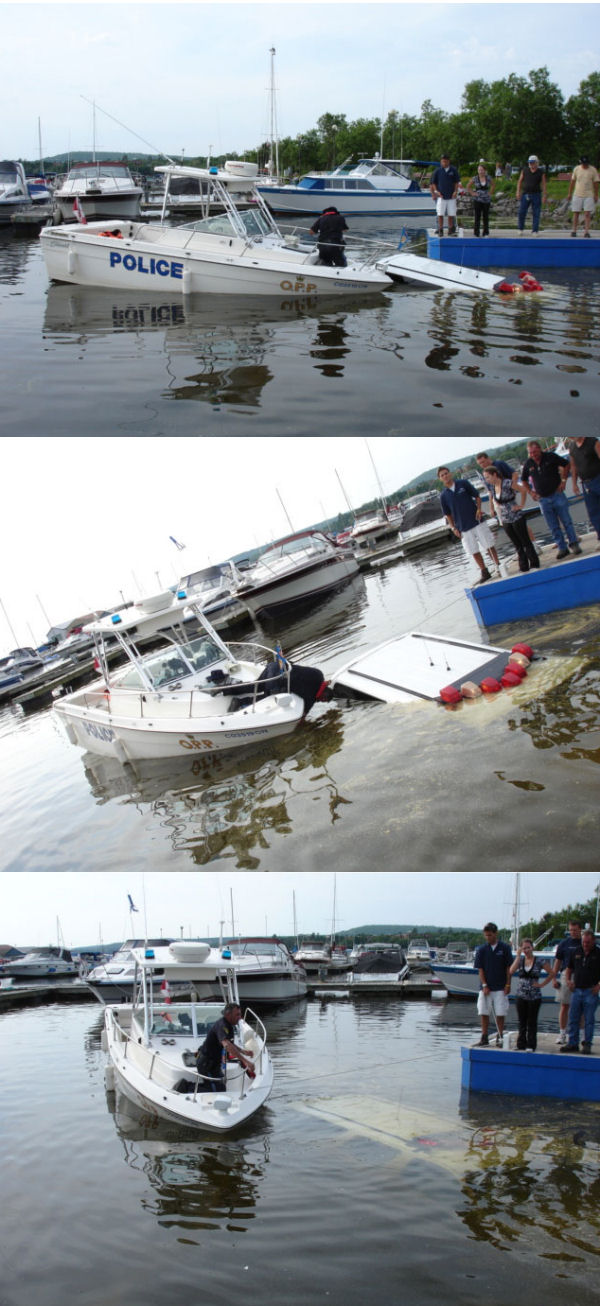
(171, 261)
(463, 982)
(103, 207)
(368, 203)
(304, 584)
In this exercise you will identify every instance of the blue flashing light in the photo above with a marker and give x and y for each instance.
(182, 594)
(149, 954)
(214, 171)
(226, 954)
(115, 619)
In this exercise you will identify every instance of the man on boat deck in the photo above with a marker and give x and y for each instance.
(545, 476)
(330, 228)
(461, 506)
(211, 1058)
(493, 960)
(583, 978)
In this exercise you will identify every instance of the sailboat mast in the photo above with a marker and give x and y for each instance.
(294, 917)
(350, 508)
(284, 509)
(381, 494)
(274, 141)
(516, 910)
(42, 174)
(333, 912)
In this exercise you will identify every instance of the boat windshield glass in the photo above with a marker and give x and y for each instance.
(253, 221)
(8, 172)
(174, 664)
(311, 542)
(255, 948)
(91, 170)
(173, 1020)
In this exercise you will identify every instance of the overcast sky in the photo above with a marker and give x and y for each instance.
(188, 77)
(93, 906)
(59, 560)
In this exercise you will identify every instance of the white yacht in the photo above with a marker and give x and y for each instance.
(373, 187)
(195, 696)
(266, 973)
(101, 190)
(422, 523)
(41, 963)
(240, 251)
(297, 568)
(212, 588)
(152, 1044)
(14, 193)
(315, 957)
(418, 954)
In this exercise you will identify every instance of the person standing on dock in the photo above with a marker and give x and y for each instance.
(461, 506)
(531, 192)
(493, 960)
(545, 475)
(528, 969)
(585, 466)
(481, 187)
(583, 978)
(584, 181)
(444, 189)
(511, 516)
(562, 959)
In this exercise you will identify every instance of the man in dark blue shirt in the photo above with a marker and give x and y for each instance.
(562, 958)
(583, 978)
(211, 1058)
(461, 506)
(545, 475)
(493, 960)
(444, 189)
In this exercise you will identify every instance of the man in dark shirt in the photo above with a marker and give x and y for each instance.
(330, 228)
(545, 474)
(531, 190)
(585, 466)
(583, 978)
(493, 960)
(444, 189)
(211, 1058)
(461, 506)
(562, 958)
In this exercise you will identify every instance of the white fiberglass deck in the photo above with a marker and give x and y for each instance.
(417, 666)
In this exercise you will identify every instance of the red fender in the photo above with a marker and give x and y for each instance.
(450, 694)
(523, 648)
(489, 685)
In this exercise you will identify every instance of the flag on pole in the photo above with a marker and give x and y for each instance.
(176, 542)
(131, 903)
(78, 211)
(165, 992)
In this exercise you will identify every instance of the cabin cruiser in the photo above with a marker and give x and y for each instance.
(193, 697)
(371, 188)
(14, 195)
(380, 959)
(98, 190)
(418, 954)
(212, 587)
(113, 980)
(422, 523)
(371, 526)
(240, 251)
(297, 568)
(151, 1043)
(41, 963)
(315, 957)
(266, 973)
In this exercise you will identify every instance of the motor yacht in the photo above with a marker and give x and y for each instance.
(14, 194)
(152, 1044)
(99, 190)
(194, 696)
(297, 568)
(240, 251)
(371, 188)
(41, 963)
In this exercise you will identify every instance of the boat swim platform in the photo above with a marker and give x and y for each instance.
(508, 249)
(554, 586)
(547, 1072)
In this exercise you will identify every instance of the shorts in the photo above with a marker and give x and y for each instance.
(564, 993)
(479, 537)
(581, 205)
(445, 208)
(496, 1001)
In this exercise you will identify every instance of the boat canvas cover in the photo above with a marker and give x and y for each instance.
(417, 666)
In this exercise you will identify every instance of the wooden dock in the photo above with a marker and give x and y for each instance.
(36, 995)
(357, 986)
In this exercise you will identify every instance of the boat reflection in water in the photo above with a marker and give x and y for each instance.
(224, 346)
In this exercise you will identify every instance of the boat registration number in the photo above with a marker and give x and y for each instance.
(162, 267)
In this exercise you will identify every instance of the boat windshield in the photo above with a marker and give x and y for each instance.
(173, 664)
(8, 172)
(91, 170)
(255, 948)
(254, 222)
(297, 545)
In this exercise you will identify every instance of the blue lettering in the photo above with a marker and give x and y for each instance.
(177, 270)
(129, 262)
(162, 267)
(141, 267)
(153, 265)
(115, 257)
(132, 263)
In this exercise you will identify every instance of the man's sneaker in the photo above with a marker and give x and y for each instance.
(575, 548)
(587, 234)
(499, 1041)
(587, 1048)
(573, 233)
(570, 1047)
(483, 1042)
(562, 1038)
(562, 553)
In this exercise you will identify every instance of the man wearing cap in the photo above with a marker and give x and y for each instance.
(444, 189)
(584, 181)
(531, 193)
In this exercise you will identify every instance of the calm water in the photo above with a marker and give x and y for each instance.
(366, 1177)
(510, 784)
(414, 361)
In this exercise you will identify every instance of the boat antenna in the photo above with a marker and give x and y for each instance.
(154, 148)
(284, 509)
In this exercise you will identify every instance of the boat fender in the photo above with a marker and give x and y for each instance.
(506, 288)
(518, 660)
(450, 694)
(528, 282)
(508, 680)
(470, 689)
(489, 685)
(525, 649)
(516, 670)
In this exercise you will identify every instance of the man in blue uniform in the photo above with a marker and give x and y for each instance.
(211, 1058)
(545, 475)
(493, 960)
(583, 978)
(562, 959)
(444, 189)
(461, 506)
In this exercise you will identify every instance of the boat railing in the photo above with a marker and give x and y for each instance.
(166, 1073)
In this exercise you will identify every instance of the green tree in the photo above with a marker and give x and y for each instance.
(582, 115)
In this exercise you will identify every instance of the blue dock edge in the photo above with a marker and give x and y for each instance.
(573, 1077)
(510, 250)
(533, 593)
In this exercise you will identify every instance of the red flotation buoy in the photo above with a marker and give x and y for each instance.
(515, 670)
(489, 685)
(518, 660)
(508, 680)
(450, 694)
(528, 282)
(506, 288)
(524, 649)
